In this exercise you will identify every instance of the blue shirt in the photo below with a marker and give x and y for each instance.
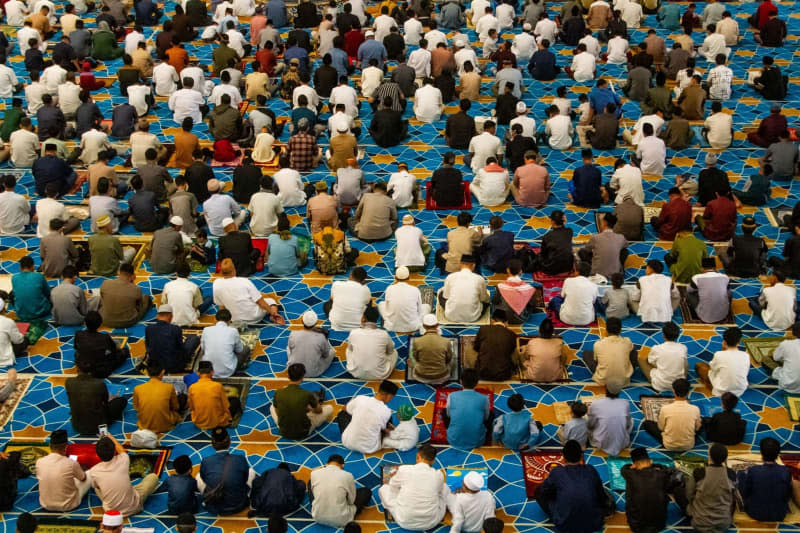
(497, 250)
(31, 296)
(217, 208)
(466, 430)
(542, 65)
(282, 256)
(574, 497)
(515, 429)
(50, 168)
(766, 490)
(340, 61)
(610, 424)
(236, 490)
(220, 344)
(296, 52)
(223, 23)
(371, 49)
(181, 494)
(585, 186)
(164, 342)
(600, 98)
(276, 12)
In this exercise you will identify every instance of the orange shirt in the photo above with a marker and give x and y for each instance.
(178, 58)
(209, 403)
(185, 144)
(156, 406)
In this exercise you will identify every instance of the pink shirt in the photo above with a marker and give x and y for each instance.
(532, 182)
(112, 482)
(257, 23)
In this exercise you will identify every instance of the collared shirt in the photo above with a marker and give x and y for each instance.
(610, 424)
(264, 209)
(612, 354)
(111, 481)
(156, 406)
(371, 49)
(465, 293)
(57, 475)
(418, 496)
(302, 151)
(420, 61)
(184, 296)
(560, 130)
(69, 304)
(311, 348)
(369, 417)
(370, 353)
(239, 296)
(402, 186)
(678, 422)
(186, 103)
(122, 303)
(578, 498)
(334, 493)
(216, 209)
(728, 372)
(669, 360)
(720, 79)
(208, 403)
(24, 148)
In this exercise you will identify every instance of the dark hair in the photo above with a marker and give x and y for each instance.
(126, 268)
(770, 448)
(469, 378)
(26, 262)
(557, 217)
(732, 336)
(69, 270)
(546, 329)
(154, 367)
(223, 315)
(617, 279)
(464, 218)
(729, 401)
(655, 265)
(183, 270)
(359, 274)
(336, 458)
(371, 314)
(578, 409)
(718, 453)
(353, 527)
(387, 387)
(573, 453)
(611, 219)
(584, 268)
(277, 523)
(105, 449)
(427, 452)
(493, 524)
(514, 266)
(680, 387)
(182, 464)
(136, 182)
(93, 320)
(27, 523)
(613, 325)
(671, 331)
(516, 402)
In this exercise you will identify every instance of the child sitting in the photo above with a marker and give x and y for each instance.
(584, 110)
(726, 427)
(202, 253)
(182, 487)
(516, 430)
(617, 300)
(406, 435)
(576, 428)
(470, 504)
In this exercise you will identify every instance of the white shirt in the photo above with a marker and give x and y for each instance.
(545, 29)
(137, 97)
(402, 186)
(339, 120)
(230, 90)
(334, 492)
(483, 146)
(788, 375)
(350, 298)
(670, 362)
(264, 210)
(505, 15)
(627, 181)
(486, 23)
(721, 88)
(579, 296)
(383, 25)
(180, 294)
(52, 77)
(524, 46)
(132, 41)
(617, 50)
(244, 8)
(413, 30)
(33, 95)
(655, 303)
(27, 33)
(92, 143)
(24, 148)
(563, 104)
(310, 94)
(719, 130)
(239, 296)
(69, 97)
(141, 141)
(371, 78)
(9, 335)
(219, 13)
(165, 79)
(416, 496)
(434, 37)
(464, 55)
(370, 416)
(728, 372)
(490, 187)
(408, 251)
(15, 212)
(712, 45)
(560, 130)
(358, 10)
(420, 61)
(402, 307)
(528, 125)
(370, 353)
(428, 104)
(632, 14)
(583, 66)
(15, 13)
(8, 80)
(48, 209)
(653, 153)
(465, 292)
(469, 510)
(344, 94)
(186, 103)
(236, 41)
(199, 79)
(779, 311)
(478, 8)
(592, 45)
(290, 187)
(654, 120)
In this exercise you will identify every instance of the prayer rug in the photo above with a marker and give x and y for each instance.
(689, 463)
(438, 429)
(83, 177)
(615, 464)
(762, 348)
(144, 461)
(29, 452)
(140, 245)
(536, 466)
(741, 462)
(557, 323)
(454, 363)
(428, 295)
(792, 460)
(455, 476)
(563, 410)
(793, 405)
(651, 405)
(236, 388)
(466, 345)
(650, 212)
(776, 215)
(690, 317)
(387, 471)
(49, 524)
(522, 342)
(8, 407)
(236, 162)
(483, 320)
(430, 203)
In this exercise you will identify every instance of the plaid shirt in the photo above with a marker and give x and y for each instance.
(302, 149)
(720, 79)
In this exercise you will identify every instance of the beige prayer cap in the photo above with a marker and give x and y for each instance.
(103, 221)
(408, 219)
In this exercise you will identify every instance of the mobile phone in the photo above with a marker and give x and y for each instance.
(74, 458)
(102, 430)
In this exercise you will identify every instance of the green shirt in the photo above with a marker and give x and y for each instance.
(11, 120)
(689, 252)
(31, 296)
(221, 56)
(291, 403)
(106, 252)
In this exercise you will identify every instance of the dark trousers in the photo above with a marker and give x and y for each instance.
(591, 362)
(651, 428)
(755, 306)
(115, 408)
(208, 301)
(343, 420)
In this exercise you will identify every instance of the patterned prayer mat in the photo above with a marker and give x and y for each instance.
(536, 466)
(793, 405)
(455, 476)
(616, 481)
(387, 471)
(775, 215)
(690, 318)
(236, 388)
(467, 352)
(29, 452)
(689, 463)
(438, 429)
(762, 348)
(411, 363)
(430, 203)
(563, 410)
(557, 323)
(741, 462)
(143, 461)
(139, 244)
(8, 407)
(190, 363)
(428, 295)
(522, 342)
(49, 524)
(792, 460)
(483, 320)
(650, 212)
(651, 405)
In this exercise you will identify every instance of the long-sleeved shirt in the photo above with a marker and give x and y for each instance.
(465, 293)
(610, 424)
(370, 353)
(728, 373)
(575, 497)
(766, 490)
(31, 296)
(221, 343)
(402, 307)
(334, 493)
(788, 375)
(470, 509)
(416, 496)
(647, 493)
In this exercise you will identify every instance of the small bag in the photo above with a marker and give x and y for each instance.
(144, 438)
(216, 495)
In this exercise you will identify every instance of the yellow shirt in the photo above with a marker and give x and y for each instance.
(678, 422)
(156, 406)
(209, 403)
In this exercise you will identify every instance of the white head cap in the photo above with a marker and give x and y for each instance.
(527, 26)
(309, 319)
(521, 107)
(369, 33)
(112, 519)
(401, 273)
(429, 321)
(176, 221)
(473, 481)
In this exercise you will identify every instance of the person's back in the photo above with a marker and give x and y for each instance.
(467, 410)
(610, 424)
(713, 296)
(575, 493)
(712, 504)
(496, 346)
(277, 491)
(766, 490)
(234, 475)
(647, 495)
(334, 491)
(121, 303)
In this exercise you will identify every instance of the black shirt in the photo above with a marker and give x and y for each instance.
(446, 187)
(542, 65)
(50, 118)
(647, 495)
(556, 254)
(238, 247)
(405, 77)
(197, 176)
(98, 350)
(303, 40)
(495, 345)
(64, 54)
(127, 76)
(748, 253)
(143, 207)
(395, 46)
(88, 401)
(307, 16)
(164, 343)
(606, 126)
(711, 181)
(325, 79)
(726, 427)
(123, 121)
(34, 60)
(505, 108)
(572, 30)
(345, 22)
(791, 251)
(515, 151)
(460, 129)
(246, 182)
(387, 128)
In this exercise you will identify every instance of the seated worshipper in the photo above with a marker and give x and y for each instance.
(218, 207)
(155, 402)
(90, 403)
(726, 426)
(609, 420)
(606, 250)
(416, 495)
(461, 241)
(298, 411)
(222, 345)
(776, 305)
(283, 255)
(310, 346)
(365, 419)
(388, 128)
(335, 500)
(70, 304)
(289, 185)
(185, 297)
(769, 128)
(713, 494)
(648, 487)
(496, 346)
(348, 301)
(104, 204)
(428, 103)
(678, 422)
(555, 255)
(767, 488)
(62, 481)
(460, 127)
(506, 104)
(239, 296)
(342, 147)
(446, 185)
(16, 212)
(370, 351)
(321, 209)
(516, 430)
(470, 506)
(207, 400)
(405, 436)
(224, 470)
(432, 354)
(31, 293)
(490, 184)
(123, 303)
(238, 247)
(709, 293)
(164, 342)
(412, 249)
(111, 481)
(613, 357)
(656, 296)
(617, 300)
(464, 296)
(782, 157)
(332, 251)
(543, 358)
(276, 490)
(675, 216)
(572, 496)
(756, 189)
(97, 350)
(667, 361)
(376, 216)
(166, 249)
(497, 248)
(729, 367)
(514, 296)
(531, 184)
(402, 308)
(576, 304)
(403, 187)
(626, 181)
(145, 209)
(350, 184)
(685, 257)
(677, 134)
(630, 219)
(466, 426)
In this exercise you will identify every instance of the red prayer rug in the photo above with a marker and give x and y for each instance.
(536, 467)
(438, 429)
(431, 204)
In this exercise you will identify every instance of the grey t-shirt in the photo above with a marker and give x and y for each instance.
(783, 157)
(616, 302)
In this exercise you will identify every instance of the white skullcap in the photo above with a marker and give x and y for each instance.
(112, 519)
(521, 107)
(473, 481)
(309, 319)
(176, 221)
(429, 320)
(166, 308)
(402, 273)
(527, 26)
(227, 221)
